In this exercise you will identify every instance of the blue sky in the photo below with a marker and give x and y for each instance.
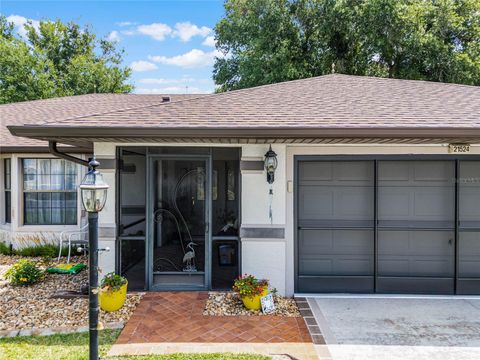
(168, 44)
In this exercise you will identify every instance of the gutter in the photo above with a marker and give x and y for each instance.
(52, 147)
(66, 132)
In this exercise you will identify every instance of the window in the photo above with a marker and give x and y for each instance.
(49, 192)
(7, 185)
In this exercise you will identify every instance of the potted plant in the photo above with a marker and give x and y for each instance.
(251, 290)
(113, 292)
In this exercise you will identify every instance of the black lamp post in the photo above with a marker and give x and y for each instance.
(94, 194)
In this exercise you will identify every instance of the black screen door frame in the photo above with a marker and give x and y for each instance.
(151, 183)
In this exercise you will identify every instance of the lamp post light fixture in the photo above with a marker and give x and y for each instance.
(271, 164)
(94, 194)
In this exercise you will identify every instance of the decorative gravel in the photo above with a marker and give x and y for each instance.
(26, 307)
(230, 304)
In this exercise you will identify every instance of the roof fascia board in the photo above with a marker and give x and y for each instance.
(51, 132)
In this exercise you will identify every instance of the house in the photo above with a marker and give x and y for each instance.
(376, 188)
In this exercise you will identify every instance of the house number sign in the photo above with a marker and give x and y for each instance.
(458, 148)
(268, 305)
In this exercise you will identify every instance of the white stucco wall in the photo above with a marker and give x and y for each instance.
(107, 217)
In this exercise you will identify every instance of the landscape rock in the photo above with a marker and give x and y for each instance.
(31, 307)
(230, 304)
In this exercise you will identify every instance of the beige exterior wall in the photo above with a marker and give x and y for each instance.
(15, 232)
(272, 258)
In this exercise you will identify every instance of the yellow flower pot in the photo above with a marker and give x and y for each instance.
(254, 303)
(112, 300)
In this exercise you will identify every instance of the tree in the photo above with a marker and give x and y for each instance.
(267, 41)
(57, 59)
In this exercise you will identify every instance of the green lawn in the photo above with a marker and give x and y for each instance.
(75, 347)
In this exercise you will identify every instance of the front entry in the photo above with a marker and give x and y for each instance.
(178, 217)
(180, 214)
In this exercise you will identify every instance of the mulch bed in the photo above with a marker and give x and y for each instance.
(230, 304)
(26, 307)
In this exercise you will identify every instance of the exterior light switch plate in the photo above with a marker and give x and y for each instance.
(290, 186)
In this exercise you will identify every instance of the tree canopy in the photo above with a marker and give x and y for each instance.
(57, 59)
(267, 41)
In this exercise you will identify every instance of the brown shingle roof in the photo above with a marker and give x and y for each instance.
(311, 107)
(58, 109)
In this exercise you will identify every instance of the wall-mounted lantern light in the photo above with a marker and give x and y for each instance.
(271, 163)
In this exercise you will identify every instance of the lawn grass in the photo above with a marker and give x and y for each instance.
(75, 347)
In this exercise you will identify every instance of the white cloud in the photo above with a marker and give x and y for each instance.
(162, 81)
(157, 31)
(114, 36)
(125, 23)
(209, 41)
(143, 66)
(186, 30)
(173, 90)
(20, 22)
(195, 58)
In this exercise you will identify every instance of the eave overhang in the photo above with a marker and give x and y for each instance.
(83, 136)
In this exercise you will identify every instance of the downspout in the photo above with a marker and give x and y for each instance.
(52, 147)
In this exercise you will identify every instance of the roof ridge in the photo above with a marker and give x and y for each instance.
(124, 109)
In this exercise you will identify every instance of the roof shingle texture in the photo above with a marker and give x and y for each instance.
(331, 101)
(58, 109)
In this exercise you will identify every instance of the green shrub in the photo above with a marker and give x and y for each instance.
(5, 249)
(24, 272)
(45, 250)
(113, 282)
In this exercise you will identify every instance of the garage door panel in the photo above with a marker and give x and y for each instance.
(416, 253)
(469, 212)
(411, 243)
(416, 203)
(434, 204)
(350, 203)
(315, 202)
(394, 203)
(337, 265)
(357, 171)
(469, 254)
(393, 172)
(315, 171)
(433, 171)
(335, 203)
(332, 242)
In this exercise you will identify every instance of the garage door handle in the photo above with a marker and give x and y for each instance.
(450, 241)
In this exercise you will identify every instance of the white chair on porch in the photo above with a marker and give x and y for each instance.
(78, 237)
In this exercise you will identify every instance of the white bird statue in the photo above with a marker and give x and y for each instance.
(189, 258)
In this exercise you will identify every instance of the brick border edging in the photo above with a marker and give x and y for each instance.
(55, 330)
(310, 321)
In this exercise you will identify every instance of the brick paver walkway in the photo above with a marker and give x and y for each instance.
(167, 322)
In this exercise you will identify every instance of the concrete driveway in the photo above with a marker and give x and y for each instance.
(390, 327)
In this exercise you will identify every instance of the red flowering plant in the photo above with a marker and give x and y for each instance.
(249, 286)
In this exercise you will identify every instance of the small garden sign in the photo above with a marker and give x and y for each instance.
(268, 305)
